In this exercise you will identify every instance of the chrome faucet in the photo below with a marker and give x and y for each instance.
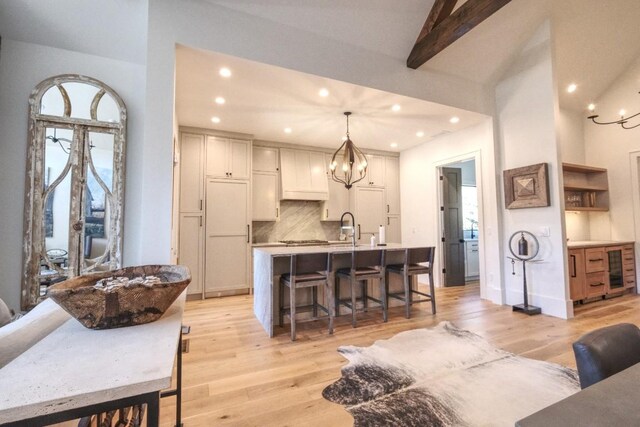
(346, 227)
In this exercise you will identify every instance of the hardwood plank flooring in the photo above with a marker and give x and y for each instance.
(235, 375)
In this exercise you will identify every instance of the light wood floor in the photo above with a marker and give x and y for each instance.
(235, 375)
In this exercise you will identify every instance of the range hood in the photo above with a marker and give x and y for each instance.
(303, 175)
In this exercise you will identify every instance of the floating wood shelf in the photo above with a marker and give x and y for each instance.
(586, 188)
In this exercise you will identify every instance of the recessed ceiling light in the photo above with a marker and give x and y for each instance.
(419, 134)
(394, 144)
(592, 107)
(287, 130)
(323, 92)
(225, 72)
(622, 112)
(220, 100)
(215, 119)
(395, 107)
(572, 88)
(454, 119)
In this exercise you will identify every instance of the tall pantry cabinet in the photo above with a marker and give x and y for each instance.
(215, 213)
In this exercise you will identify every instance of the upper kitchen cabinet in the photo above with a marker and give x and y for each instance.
(375, 172)
(228, 158)
(338, 202)
(586, 188)
(191, 173)
(265, 159)
(303, 175)
(264, 184)
(392, 185)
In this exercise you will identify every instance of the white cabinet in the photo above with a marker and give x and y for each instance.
(375, 172)
(393, 232)
(265, 159)
(264, 202)
(265, 199)
(228, 158)
(369, 212)
(210, 242)
(227, 238)
(303, 175)
(191, 172)
(191, 249)
(392, 185)
(338, 202)
(191, 232)
(471, 259)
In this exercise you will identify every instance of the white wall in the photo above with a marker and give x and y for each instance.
(527, 108)
(420, 205)
(22, 67)
(610, 147)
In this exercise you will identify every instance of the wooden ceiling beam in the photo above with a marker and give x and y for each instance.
(439, 11)
(451, 28)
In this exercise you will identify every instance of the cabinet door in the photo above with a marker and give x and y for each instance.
(318, 172)
(239, 159)
(596, 284)
(338, 202)
(472, 259)
(375, 171)
(217, 165)
(577, 277)
(227, 235)
(392, 185)
(264, 201)
(369, 212)
(191, 249)
(191, 176)
(265, 159)
(393, 232)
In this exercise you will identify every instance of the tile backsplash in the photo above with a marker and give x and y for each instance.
(299, 220)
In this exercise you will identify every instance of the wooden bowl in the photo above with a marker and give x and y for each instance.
(97, 308)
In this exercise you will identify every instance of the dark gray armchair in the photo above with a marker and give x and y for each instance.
(606, 351)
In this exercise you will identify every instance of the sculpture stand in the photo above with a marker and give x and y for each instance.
(525, 308)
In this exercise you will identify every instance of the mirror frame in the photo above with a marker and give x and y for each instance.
(33, 245)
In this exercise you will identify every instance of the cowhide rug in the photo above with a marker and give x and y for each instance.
(445, 376)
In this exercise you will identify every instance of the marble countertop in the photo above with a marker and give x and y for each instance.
(71, 366)
(592, 243)
(338, 247)
(280, 244)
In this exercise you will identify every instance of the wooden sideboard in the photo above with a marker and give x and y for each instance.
(600, 269)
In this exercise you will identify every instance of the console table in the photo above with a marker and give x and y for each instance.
(54, 369)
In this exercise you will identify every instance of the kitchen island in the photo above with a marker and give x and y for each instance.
(269, 263)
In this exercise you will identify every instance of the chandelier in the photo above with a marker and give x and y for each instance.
(623, 122)
(353, 162)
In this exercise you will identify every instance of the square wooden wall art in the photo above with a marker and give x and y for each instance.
(526, 187)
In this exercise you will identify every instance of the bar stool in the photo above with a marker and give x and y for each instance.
(365, 265)
(414, 264)
(307, 271)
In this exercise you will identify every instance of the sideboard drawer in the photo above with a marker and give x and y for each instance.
(595, 260)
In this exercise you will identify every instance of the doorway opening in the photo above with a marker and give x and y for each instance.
(459, 231)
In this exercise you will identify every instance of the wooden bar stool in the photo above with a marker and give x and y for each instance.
(307, 271)
(365, 265)
(415, 262)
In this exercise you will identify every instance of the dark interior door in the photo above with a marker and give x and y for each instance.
(453, 233)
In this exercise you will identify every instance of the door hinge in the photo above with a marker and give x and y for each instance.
(444, 271)
(441, 177)
(441, 208)
(442, 239)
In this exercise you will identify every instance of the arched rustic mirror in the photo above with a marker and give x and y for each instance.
(75, 182)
